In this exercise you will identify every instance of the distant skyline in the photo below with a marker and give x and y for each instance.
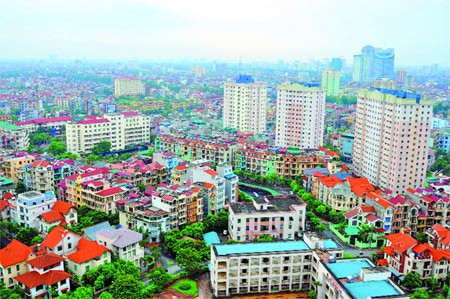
(418, 30)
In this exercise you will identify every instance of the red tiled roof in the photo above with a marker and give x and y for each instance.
(211, 172)
(383, 262)
(87, 250)
(330, 181)
(14, 253)
(401, 242)
(411, 190)
(181, 167)
(40, 163)
(389, 250)
(360, 186)
(372, 218)
(110, 191)
(43, 120)
(208, 185)
(55, 236)
(352, 213)
(8, 195)
(379, 200)
(420, 248)
(3, 204)
(52, 216)
(93, 121)
(33, 279)
(46, 260)
(318, 174)
(440, 230)
(62, 207)
(367, 209)
(130, 113)
(168, 197)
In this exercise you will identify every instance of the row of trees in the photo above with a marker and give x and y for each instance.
(270, 179)
(26, 235)
(88, 217)
(412, 281)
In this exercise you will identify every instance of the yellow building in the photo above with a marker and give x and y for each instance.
(13, 261)
(330, 82)
(13, 167)
(128, 86)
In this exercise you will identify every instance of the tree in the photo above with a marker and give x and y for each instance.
(26, 235)
(332, 215)
(106, 295)
(312, 294)
(79, 293)
(321, 210)
(432, 282)
(412, 281)
(321, 228)
(126, 286)
(20, 187)
(102, 147)
(265, 238)
(365, 233)
(56, 147)
(159, 278)
(422, 238)
(190, 260)
(420, 294)
(37, 240)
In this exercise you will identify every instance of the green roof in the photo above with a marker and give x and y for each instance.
(297, 86)
(8, 126)
(261, 247)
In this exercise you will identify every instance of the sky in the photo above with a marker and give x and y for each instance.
(250, 30)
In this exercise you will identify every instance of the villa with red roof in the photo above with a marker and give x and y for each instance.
(60, 241)
(44, 272)
(61, 213)
(13, 261)
(86, 256)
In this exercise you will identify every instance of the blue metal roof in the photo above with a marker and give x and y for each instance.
(399, 94)
(246, 79)
(211, 238)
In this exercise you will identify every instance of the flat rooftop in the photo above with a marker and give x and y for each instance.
(262, 247)
(364, 290)
(343, 268)
(276, 203)
(329, 244)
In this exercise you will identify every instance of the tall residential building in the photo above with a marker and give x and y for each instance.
(120, 129)
(245, 105)
(128, 86)
(384, 83)
(392, 130)
(300, 116)
(401, 76)
(330, 82)
(337, 63)
(373, 63)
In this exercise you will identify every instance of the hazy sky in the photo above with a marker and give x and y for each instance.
(419, 30)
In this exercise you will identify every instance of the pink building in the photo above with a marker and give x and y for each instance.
(300, 116)
(392, 130)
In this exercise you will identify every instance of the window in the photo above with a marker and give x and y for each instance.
(59, 248)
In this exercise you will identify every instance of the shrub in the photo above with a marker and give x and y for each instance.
(184, 286)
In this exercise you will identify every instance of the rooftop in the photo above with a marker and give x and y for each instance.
(211, 238)
(263, 247)
(370, 289)
(298, 87)
(346, 268)
(123, 237)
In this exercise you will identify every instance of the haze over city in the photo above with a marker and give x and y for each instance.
(228, 31)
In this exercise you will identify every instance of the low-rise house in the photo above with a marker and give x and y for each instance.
(90, 232)
(61, 213)
(60, 241)
(13, 167)
(29, 206)
(280, 216)
(13, 261)
(44, 272)
(123, 243)
(86, 256)
(5, 211)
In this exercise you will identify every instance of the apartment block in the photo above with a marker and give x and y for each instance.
(245, 105)
(128, 86)
(39, 176)
(216, 149)
(13, 137)
(287, 162)
(330, 82)
(54, 125)
(121, 129)
(14, 167)
(392, 132)
(281, 216)
(300, 116)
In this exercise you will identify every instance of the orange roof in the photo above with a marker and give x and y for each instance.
(195, 189)
(14, 253)
(211, 172)
(410, 190)
(420, 248)
(318, 174)
(62, 207)
(401, 242)
(389, 250)
(368, 209)
(379, 200)
(440, 230)
(383, 262)
(52, 216)
(87, 250)
(3, 204)
(8, 195)
(55, 236)
(208, 185)
(46, 260)
(33, 279)
(181, 167)
(330, 181)
(360, 186)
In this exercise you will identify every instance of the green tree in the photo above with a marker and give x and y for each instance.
(105, 295)
(264, 238)
(37, 240)
(102, 147)
(420, 294)
(312, 294)
(79, 293)
(432, 283)
(321, 210)
(190, 260)
(126, 286)
(422, 238)
(56, 147)
(99, 283)
(412, 281)
(159, 278)
(20, 187)
(321, 228)
(332, 215)
(26, 235)
(365, 233)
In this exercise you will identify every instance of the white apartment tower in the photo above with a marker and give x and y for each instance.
(245, 105)
(392, 131)
(128, 86)
(300, 116)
